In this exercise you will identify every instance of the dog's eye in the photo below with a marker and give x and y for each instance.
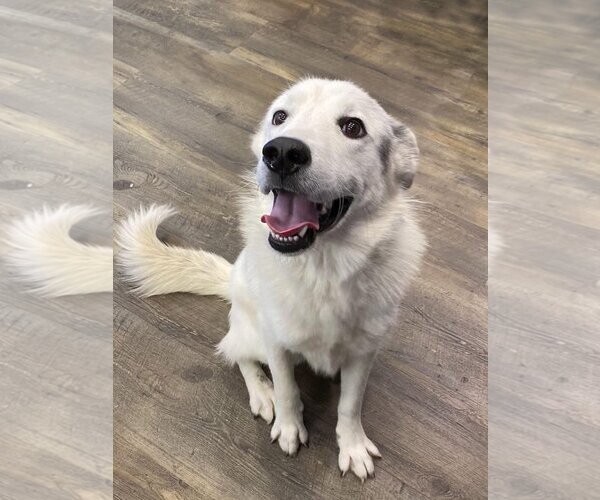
(279, 117)
(353, 128)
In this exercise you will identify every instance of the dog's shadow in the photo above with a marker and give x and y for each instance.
(320, 393)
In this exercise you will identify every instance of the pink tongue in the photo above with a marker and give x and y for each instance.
(290, 213)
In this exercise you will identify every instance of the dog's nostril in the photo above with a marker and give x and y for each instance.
(297, 157)
(270, 153)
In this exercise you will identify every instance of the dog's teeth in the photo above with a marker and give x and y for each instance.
(323, 209)
(289, 239)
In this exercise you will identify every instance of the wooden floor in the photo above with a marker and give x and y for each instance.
(191, 81)
(544, 288)
(55, 147)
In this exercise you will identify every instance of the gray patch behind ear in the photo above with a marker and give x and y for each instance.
(404, 156)
(385, 148)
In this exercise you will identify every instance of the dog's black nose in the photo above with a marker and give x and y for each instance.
(285, 155)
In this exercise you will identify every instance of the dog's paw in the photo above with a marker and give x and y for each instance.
(290, 432)
(262, 401)
(356, 451)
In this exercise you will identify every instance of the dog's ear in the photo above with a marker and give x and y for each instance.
(403, 154)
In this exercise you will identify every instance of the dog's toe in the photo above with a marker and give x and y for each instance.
(343, 462)
(356, 452)
(262, 402)
(290, 433)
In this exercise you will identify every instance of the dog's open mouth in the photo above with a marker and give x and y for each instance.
(295, 221)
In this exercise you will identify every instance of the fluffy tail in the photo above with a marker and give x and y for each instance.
(42, 254)
(155, 268)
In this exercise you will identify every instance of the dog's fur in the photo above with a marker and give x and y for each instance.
(330, 305)
(42, 254)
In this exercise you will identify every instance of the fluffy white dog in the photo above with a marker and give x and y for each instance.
(331, 246)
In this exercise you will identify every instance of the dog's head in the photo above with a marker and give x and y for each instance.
(326, 149)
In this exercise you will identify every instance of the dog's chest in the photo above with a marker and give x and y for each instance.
(317, 315)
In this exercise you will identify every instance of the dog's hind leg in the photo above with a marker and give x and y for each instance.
(260, 390)
(243, 347)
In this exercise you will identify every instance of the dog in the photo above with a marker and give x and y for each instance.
(331, 245)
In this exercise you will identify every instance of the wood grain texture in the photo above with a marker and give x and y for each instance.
(55, 147)
(191, 81)
(544, 285)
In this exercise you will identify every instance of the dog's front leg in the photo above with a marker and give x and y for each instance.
(356, 448)
(288, 427)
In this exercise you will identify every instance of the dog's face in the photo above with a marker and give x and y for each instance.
(326, 149)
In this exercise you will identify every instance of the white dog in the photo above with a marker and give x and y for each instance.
(331, 246)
